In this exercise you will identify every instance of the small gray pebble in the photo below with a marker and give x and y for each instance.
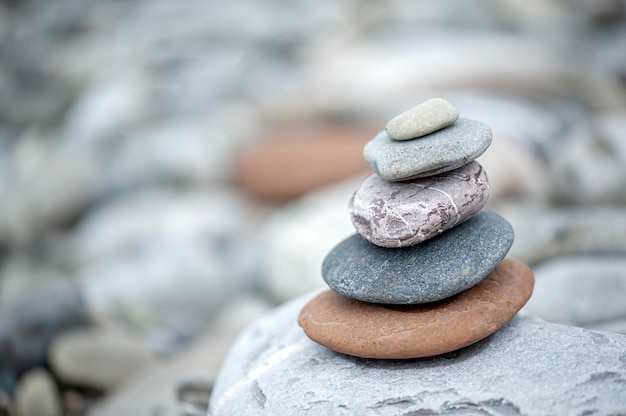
(423, 119)
(439, 152)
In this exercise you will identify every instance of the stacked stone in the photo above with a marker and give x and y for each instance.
(426, 272)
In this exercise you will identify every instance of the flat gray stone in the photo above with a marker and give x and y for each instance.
(435, 269)
(529, 367)
(423, 119)
(580, 290)
(439, 152)
(401, 214)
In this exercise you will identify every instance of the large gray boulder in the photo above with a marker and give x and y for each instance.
(529, 367)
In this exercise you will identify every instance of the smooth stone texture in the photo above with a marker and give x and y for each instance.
(401, 214)
(291, 161)
(529, 367)
(29, 323)
(444, 150)
(98, 358)
(37, 395)
(371, 330)
(423, 119)
(580, 290)
(435, 269)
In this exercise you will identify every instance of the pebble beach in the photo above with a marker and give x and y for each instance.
(181, 180)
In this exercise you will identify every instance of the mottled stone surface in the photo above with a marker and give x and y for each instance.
(372, 330)
(423, 119)
(435, 269)
(439, 152)
(400, 214)
(529, 367)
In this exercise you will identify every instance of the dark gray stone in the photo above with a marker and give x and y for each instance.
(28, 325)
(529, 367)
(435, 269)
(441, 151)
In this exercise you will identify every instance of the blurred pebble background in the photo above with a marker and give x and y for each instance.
(170, 170)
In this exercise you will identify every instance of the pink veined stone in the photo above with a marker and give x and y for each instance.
(401, 214)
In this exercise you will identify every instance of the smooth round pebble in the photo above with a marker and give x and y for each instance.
(98, 358)
(439, 152)
(423, 119)
(435, 269)
(401, 214)
(371, 330)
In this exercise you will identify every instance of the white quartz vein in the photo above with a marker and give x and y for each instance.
(254, 374)
(391, 212)
(456, 209)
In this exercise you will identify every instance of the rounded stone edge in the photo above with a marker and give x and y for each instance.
(479, 276)
(364, 349)
(443, 166)
(363, 224)
(414, 123)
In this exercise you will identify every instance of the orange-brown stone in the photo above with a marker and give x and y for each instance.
(291, 161)
(373, 330)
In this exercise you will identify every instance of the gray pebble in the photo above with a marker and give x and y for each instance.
(439, 152)
(423, 119)
(435, 269)
(580, 290)
(98, 358)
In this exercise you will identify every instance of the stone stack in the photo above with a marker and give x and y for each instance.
(426, 273)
